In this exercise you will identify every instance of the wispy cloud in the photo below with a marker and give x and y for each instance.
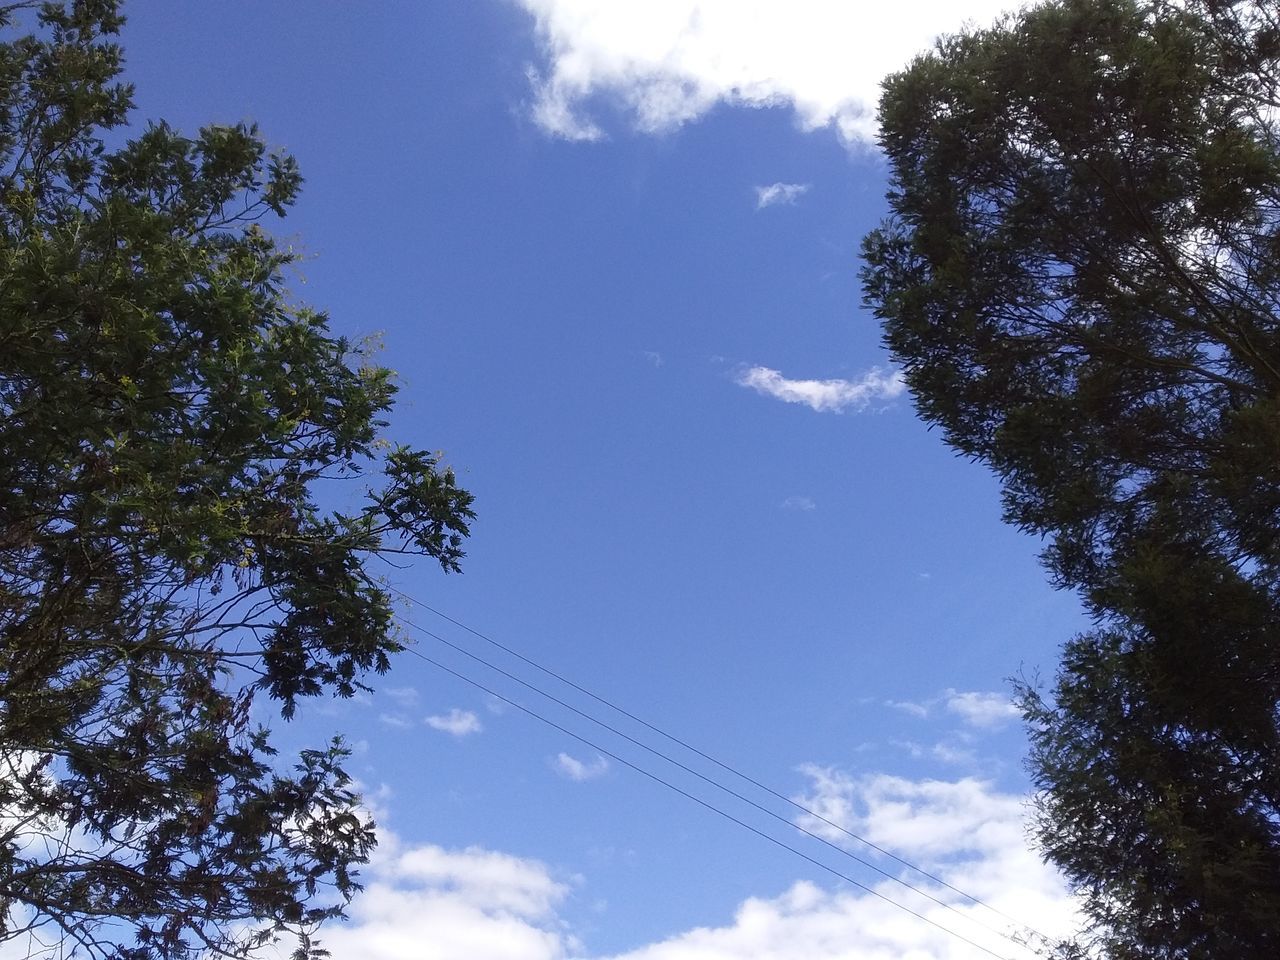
(980, 709)
(405, 696)
(654, 357)
(955, 749)
(577, 770)
(458, 723)
(798, 503)
(909, 706)
(779, 193)
(394, 720)
(667, 62)
(826, 396)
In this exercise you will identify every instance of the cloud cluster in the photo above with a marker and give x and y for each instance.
(826, 396)
(946, 825)
(666, 62)
(429, 903)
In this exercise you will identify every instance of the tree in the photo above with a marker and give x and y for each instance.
(169, 424)
(1081, 277)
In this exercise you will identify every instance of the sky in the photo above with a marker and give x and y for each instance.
(611, 250)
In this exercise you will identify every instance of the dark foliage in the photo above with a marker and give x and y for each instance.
(1081, 277)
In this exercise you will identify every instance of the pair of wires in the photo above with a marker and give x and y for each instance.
(1022, 940)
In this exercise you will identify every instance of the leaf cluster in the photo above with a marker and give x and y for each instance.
(169, 423)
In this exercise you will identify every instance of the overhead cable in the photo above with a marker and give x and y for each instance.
(712, 782)
(710, 806)
(803, 808)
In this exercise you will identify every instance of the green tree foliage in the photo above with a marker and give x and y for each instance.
(168, 418)
(1081, 276)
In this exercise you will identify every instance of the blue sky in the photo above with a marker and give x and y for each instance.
(611, 249)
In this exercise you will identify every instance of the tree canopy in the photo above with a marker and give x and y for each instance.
(170, 422)
(1081, 278)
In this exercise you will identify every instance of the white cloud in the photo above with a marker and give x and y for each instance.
(964, 832)
(575, 769)
(428, 903)
(984, 710)
(457, 722)
(667, 62)
(832, 795)
(394, 720)
(826, 395)
(779, 193)
(934, 823)
(799, 503)
(495, 881)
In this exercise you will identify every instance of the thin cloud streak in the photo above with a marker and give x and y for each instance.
(909, 706)
(799, 503)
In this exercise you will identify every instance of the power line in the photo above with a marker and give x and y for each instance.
(710, 806)
(721, 764)
(715, 783)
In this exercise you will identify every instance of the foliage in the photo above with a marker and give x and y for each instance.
(1081, 276)
(168, 420)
